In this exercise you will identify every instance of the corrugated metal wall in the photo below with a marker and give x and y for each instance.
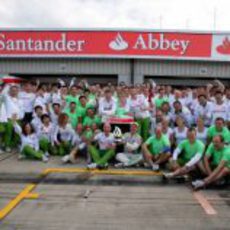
(182, 68)
(121, 67)
(64, 66)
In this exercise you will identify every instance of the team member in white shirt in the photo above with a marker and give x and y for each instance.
(140, 107)
(181, 111)
(29, 141)
(45, 134)
(54, 113)
(79, 146)
(180, 131)
(41, 99)
(203, 109)
(201, 130)
(3, 117)
(63, 138)
(107, 105)
(28, 98)
(219, 107)
(36, 121)
(55, 95)
(14, 107)
(105, 150)
(132, 142)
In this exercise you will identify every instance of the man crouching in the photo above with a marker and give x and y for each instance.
(156, 149)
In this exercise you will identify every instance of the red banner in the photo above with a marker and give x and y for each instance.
(105, 43)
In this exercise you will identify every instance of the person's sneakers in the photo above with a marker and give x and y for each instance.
(119, 165)
(45, 158)
(65, 159)
(198, 184)
(105, 166)
(92, 166)
(155, 167)
(169, 175)
(1, 151)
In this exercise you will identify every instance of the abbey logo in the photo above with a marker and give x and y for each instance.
(144, 42)
(224, 47)
(118, 43)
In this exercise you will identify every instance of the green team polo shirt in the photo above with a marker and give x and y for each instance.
(88, 121)
(157, 145)
(159, 101)
(190, 150)
(73, 117)
(70, 98)
(212, 132)
(226, 156)
(217, 154)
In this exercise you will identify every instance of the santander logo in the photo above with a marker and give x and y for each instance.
(224, 48)
(118, 43)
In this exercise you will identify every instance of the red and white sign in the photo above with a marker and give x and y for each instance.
(12, 79)
(124, 44)
(221, 47)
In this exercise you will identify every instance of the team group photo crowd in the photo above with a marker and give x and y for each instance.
(180, 131)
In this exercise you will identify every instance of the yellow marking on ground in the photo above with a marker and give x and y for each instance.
(13, 203)
(26, 192)
(32, 196)
(204, 203)
(105, 172)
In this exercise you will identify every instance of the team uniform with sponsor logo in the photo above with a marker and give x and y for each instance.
(139, 108)
(212, 132)
(130, 156)
(189, 154)
(29, 145)
(103, 153)
(63, 139)
(158, 146)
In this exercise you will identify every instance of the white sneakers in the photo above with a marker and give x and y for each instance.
(198, 184)
(45, 159)
(155, 167)
(1, 151)
(119, 165)
(92, 166)
(168, 175)
(65, 159)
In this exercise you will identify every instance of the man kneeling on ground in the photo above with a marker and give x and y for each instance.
(132, 142)
(187, 156)
(105, 150)
(216, 162)
(156, 149)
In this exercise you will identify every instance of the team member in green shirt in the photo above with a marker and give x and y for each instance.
(220, 155)
(160, 99)
(91, 118)
(73, 96)
(187, 155)
(82, 108)
(214, 154)
(156, 149)
(72, 114)
(219, 129)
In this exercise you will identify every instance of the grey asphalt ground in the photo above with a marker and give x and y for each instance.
(114, 202)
